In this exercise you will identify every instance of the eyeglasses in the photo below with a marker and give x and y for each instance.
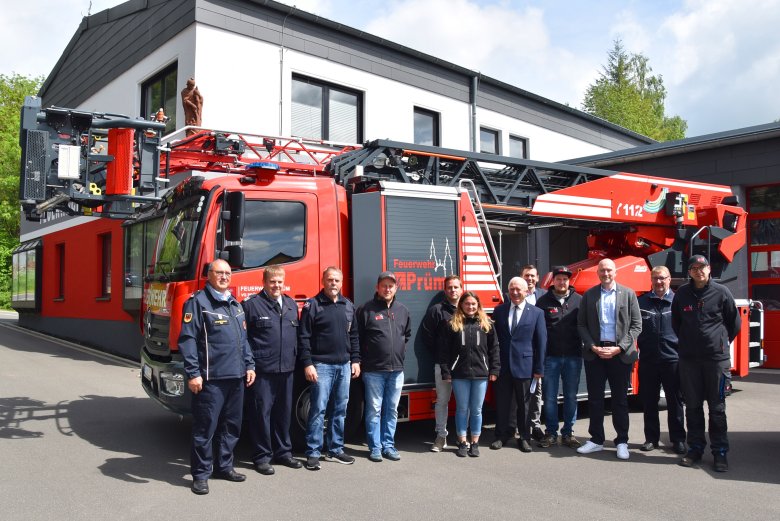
(221, 273)
(660, 279)
(697, 268)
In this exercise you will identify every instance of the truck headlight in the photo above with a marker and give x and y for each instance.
(172, 383)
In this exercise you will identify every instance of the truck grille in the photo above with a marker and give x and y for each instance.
(156, 330)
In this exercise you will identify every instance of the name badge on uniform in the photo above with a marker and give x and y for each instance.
(220, 322)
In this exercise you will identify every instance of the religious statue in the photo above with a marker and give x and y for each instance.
(192, 101)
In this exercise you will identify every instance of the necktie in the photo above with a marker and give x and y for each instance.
(515, 317)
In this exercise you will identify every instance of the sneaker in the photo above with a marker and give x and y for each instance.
(590, 447)
(341, 457)
(463, 449)
(691, 459)
(375, 456)
(537, 433)
(548, 441)
(569, 440)
(439, 444)
(313, 463)
(474, 450)
(391, 454)
(622, 451)
(721, 463)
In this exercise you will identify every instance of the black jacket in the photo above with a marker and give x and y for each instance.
(563, 338)
(328, 333)
(437, 316)
(657, 342)
(705, 320)
(213, 338)
(383, 333)
(468, 354)
(272, 332)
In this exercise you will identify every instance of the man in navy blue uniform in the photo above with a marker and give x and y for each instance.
(706, 320)
(522, 340)
(272, 328)
(330, 355)
(217, 361)
(658, 363)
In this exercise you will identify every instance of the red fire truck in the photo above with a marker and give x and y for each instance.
(423, 212)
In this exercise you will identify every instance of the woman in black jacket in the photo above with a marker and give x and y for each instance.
(468, 356)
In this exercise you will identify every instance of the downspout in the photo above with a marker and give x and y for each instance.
(281, 70)
(473, 102)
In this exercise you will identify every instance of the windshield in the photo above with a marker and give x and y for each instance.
(177, 243)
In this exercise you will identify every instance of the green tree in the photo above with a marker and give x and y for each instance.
(13, 89)
(628, 94)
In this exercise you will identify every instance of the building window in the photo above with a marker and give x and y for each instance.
(160, 91)
(274, 233)
(24, 276)
(324, 111)
(59, 293)
(105, 265)
(426, 127)
(488, 141)
(764, 199)
(518, 147)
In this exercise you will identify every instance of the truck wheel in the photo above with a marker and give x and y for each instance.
(302, 404)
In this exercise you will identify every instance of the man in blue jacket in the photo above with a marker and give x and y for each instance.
(384, 328)
(658, 363)
(217, 361)
(272, 328)
(706, 320)
(522, 340)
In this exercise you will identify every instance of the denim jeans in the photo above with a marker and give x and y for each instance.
(443, 394)
(332, 381)
(566, 369)
(469, 396)
(383, 392)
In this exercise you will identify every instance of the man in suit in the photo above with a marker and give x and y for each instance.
(522, 339)
(609, 322)
(531, 276)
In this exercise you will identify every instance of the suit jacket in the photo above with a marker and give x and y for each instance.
(627, 327)
(522, 351)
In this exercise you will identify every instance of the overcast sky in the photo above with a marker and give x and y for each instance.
(720, 59)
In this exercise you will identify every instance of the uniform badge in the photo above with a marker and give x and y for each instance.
(187, 318)
(379, 317)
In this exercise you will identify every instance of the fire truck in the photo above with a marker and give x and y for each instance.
(422, 212)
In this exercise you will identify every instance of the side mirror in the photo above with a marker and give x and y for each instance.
(233, 215)
(234, 255)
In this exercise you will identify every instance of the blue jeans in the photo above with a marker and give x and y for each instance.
(383, 392)
(332, 381)
(568, 370)
(469, 396)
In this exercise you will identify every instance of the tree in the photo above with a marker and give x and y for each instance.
(13, 89)
(628, 94)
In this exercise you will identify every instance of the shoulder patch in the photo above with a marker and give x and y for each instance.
(187, 318)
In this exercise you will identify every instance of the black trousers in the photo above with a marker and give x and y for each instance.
(597, 373)
(269, 422)
(702, 380)
(216, 422)
(507, 387)
(653, 375)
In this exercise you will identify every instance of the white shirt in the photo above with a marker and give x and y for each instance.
(521, 308)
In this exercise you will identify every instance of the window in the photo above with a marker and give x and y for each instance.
(274, 233)
(60, 263)
(765, 231)
(488, 141)
(160, 91)
(764, 199)
(426, 127)
(105, 265)
(765, 264)
(324, 111)
(24, 275)
(518, 147)
(140, 240)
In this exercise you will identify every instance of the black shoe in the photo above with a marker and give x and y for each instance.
(341, 457)
(679, 447)
(691, 459)
(721, 463)
(200, 487)
(463, 449)
(648, 446)
(289, 462)
(525, 446)
(474, 449)
(231, 475)
(265, 469)
(537, 433)
(497, 444)
(313, 463)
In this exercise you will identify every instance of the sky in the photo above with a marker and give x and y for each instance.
(719, 59)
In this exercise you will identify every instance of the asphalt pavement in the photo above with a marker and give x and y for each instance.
(80, 440)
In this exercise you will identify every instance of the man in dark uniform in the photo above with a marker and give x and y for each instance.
(272, 328)
(706, 320)
(329, 354)
(217, 361)
(658, 363)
